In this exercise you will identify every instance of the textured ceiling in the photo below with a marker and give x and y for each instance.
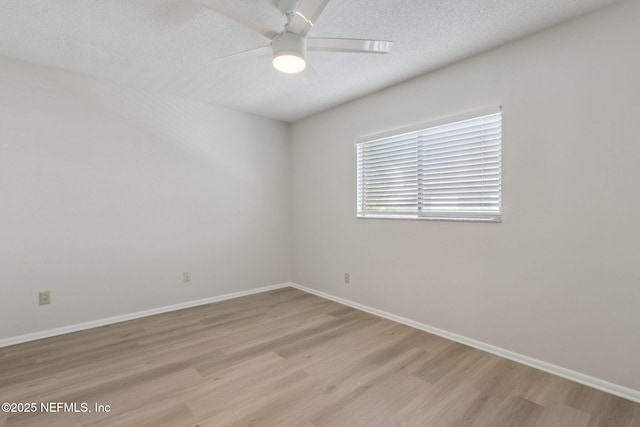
(175, 46)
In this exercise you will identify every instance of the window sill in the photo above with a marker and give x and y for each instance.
(494, 219)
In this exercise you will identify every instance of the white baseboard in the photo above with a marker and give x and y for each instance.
(597, 383)
(116, 319)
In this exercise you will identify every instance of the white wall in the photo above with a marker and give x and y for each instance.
(108, 194)
(558, 280)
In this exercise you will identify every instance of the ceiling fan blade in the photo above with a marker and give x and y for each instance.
(306, 15)
(349, 45)
(224, 10)
(245, 54)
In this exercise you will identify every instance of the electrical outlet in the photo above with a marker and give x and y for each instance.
(44, 298)
(186, 277)
(346, 278)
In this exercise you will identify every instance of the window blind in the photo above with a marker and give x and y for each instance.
(448, 171)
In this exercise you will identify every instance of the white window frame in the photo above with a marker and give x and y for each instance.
(489, 209)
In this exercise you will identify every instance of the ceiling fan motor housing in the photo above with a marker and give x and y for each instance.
(289, 49)
(287, 6)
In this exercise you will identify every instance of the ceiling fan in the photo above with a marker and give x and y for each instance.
(289, 47)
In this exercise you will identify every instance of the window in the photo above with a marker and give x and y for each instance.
(440, 171)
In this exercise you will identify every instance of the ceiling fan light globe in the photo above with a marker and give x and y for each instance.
(289, 62)
(289, 52)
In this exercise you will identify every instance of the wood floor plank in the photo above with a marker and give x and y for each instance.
(287, 358)
(453, 410)
(559, 415)
(514, 411)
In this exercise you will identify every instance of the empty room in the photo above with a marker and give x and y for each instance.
(320, 213)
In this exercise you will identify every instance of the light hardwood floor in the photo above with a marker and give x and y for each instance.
(287, 358)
